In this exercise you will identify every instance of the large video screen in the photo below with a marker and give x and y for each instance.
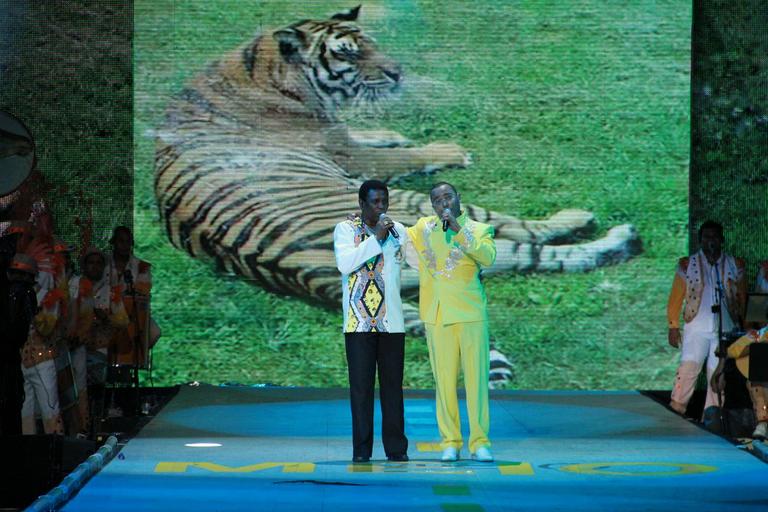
(566, 123)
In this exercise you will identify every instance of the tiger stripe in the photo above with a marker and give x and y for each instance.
(253, 168)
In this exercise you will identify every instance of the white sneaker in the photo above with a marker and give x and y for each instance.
(450, 454)
(761, 431)
(483, 454)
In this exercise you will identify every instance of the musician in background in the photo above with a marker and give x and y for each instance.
(39, 353)
(95, 317)
(71, 359)
(739, 350)
(761, 286)
(122, 260)
(758, 392)
(706, 280)
(130, 281)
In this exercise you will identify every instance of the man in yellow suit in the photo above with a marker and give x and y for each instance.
(451, 249)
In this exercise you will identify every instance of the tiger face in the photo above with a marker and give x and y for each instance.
(339, 62)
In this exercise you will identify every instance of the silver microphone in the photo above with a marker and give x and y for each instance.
(392, 230)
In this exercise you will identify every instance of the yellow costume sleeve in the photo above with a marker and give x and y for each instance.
(480, 247)
(413, 232)
(675, 303)
(84, 322)
(740, 347)
(119, 317)
(44, 323)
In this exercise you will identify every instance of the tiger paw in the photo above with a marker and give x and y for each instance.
(379, 138)
(440, 155)
(413, 324)
(415, 328)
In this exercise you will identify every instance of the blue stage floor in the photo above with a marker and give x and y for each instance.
(289, 449)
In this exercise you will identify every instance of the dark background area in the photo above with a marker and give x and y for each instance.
(729, 124)
(66, 73)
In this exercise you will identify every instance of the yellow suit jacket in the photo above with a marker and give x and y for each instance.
(449, 269)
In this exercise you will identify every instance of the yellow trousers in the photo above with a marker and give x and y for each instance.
(464, 343)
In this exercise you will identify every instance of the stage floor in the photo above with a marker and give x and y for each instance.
(289, 449)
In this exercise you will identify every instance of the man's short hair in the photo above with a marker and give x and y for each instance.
(118, 229)
(711, 224)
(369, 185)
(440, 184)
(91, 251)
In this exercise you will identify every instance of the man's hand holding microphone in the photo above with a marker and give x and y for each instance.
(385, 227)
(449, 221)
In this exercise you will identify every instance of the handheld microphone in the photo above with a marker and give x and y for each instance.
(445, 224)
(392, 230)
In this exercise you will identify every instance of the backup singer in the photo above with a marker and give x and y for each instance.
(696, 282)
(369, 257)
(97, 313)
(130, 281)
(453, 307)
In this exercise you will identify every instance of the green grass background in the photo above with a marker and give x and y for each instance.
(562, 104)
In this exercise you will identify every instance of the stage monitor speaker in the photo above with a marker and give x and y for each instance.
(758, 362)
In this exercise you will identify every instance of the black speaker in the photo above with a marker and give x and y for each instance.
(758, 362)
(33, 465)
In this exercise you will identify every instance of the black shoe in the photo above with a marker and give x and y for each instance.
(360, 459)
(398, 458)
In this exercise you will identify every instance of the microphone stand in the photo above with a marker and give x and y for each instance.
(134, 318)
(722, 350)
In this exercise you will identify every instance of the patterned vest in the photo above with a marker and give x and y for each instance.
(694, 285)
(366, 292)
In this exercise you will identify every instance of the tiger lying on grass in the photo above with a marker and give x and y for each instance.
(254, 168)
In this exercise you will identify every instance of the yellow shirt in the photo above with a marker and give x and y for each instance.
(449, 269)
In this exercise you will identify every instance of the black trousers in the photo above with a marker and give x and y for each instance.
(365, 352)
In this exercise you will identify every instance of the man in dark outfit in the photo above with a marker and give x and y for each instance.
(18, 306)
(369, 256)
